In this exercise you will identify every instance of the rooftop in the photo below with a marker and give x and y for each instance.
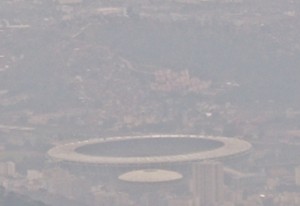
(150, 176)
(69, 152)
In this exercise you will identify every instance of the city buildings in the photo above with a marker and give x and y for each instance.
(207, 183)
(150, 168)
(297, 175)
(7, 169)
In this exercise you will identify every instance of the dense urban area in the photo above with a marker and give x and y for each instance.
(78, 69)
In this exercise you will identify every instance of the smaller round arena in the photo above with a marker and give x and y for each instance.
(150, 176)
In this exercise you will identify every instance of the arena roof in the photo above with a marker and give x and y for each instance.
(228, 147)
(150, 176)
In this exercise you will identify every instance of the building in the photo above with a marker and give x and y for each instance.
(150, 186)
(297, 175)
(7, 169)
(69, 1)
(180, 201)
(207, 183)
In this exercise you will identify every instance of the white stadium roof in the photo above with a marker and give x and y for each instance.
(230, 147)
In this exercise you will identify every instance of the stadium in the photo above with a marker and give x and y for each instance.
(147, 151)
(141, 165)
